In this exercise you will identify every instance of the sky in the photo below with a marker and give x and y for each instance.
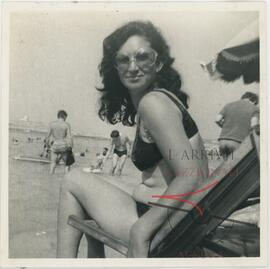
(54, 57)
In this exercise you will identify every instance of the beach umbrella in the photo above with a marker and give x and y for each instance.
(239, 58)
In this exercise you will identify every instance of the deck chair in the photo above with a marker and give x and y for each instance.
(236, 187)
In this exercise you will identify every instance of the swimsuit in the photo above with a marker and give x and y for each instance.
(141, 208)
(120, 153)
(60, 146)
(146, 155)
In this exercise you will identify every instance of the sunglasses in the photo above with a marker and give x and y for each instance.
(144, 58)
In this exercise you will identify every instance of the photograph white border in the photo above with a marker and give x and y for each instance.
(7, 8)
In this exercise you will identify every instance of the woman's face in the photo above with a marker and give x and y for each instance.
(136, 63)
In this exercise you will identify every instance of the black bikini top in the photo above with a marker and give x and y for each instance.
(146, 155)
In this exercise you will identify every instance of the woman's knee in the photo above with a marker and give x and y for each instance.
(78, 182)
(70, 180)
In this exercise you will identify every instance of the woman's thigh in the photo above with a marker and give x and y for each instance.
(112, 208)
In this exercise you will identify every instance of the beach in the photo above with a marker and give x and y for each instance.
(34, 194)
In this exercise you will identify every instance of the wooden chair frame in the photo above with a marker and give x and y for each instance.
(233, 189)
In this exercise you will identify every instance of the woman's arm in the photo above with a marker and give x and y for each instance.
(164, 121)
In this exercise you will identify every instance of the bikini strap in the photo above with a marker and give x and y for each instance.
(189, 124)
(174, 98)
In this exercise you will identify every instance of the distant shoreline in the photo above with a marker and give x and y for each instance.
(43, 132)
(37, 127)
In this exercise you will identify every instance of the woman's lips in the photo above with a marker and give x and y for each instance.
(134, 79)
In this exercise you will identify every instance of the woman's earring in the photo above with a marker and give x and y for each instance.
(159, 67)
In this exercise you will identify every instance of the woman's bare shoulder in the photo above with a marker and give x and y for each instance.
(158, 103)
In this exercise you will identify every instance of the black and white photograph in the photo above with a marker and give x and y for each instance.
(134, 130)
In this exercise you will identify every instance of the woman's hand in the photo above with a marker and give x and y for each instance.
(138, 242)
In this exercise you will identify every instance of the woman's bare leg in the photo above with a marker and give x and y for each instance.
(68, 238)
(86, 194)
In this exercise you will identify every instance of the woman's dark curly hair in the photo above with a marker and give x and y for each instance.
(115, 102)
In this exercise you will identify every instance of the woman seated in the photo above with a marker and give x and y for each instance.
(140, 87)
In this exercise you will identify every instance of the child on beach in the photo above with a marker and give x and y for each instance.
(100, 161)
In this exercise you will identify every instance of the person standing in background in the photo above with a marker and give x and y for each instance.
(235, 121)
(120, 151)
(60, 134)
